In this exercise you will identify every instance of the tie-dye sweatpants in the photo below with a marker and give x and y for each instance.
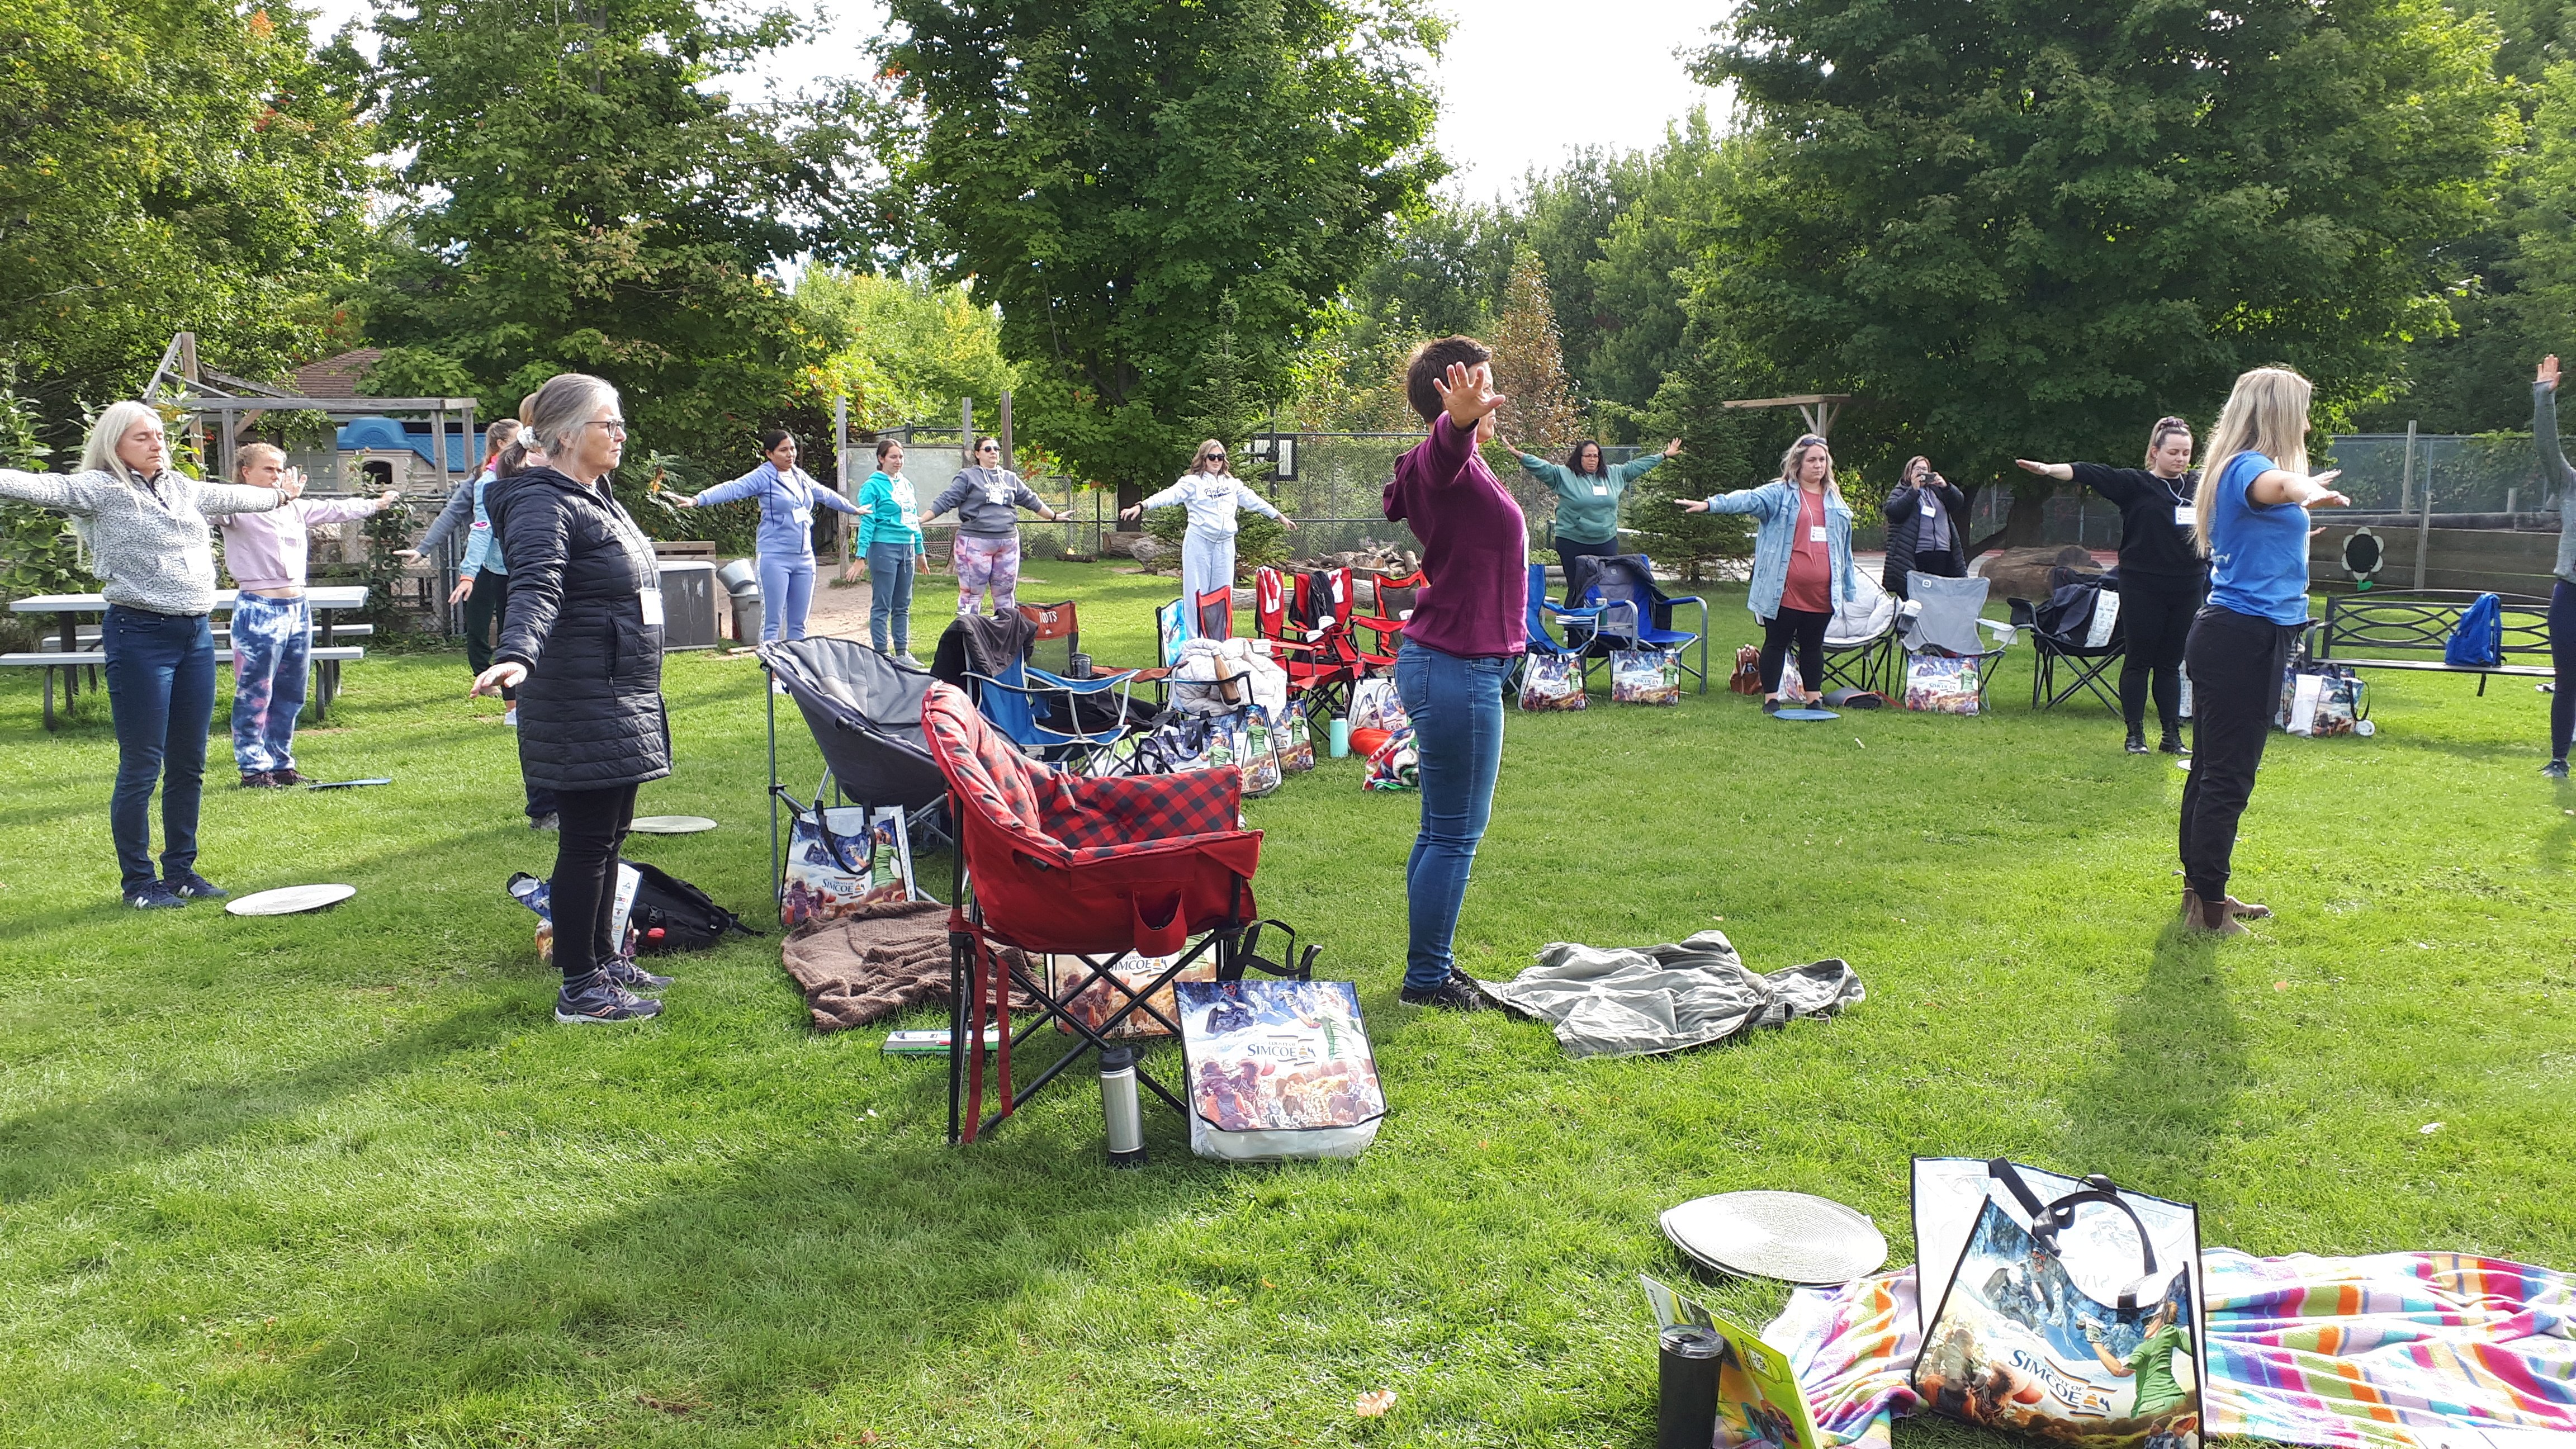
(272, 647)
(988, 561)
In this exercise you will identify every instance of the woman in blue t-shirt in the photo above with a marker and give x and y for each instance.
(2251, 517)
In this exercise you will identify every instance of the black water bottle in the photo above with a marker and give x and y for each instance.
(1686, 1387)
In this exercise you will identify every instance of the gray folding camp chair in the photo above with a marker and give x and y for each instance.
(1945, 617)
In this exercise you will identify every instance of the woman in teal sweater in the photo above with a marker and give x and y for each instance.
(1587, 499)
(889, 543)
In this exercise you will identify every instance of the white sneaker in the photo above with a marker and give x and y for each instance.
(510, 716)
(907, 661)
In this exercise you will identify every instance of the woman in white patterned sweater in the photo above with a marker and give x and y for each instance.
(153, 553)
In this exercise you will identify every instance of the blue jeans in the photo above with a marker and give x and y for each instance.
(787, 588)
(1457, 710)
(161, 690)
(272, 656)
(890, 594)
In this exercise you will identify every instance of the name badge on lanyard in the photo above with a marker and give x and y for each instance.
(651, 599)
(1600, 490)
(1815, 533)
(2182, 515)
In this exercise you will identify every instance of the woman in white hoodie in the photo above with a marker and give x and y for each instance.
(1211, 493)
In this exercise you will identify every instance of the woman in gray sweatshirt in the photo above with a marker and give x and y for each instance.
(147, 532)
(988, 498)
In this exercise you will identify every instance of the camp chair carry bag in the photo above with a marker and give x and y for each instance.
(841, 858)
(1278, 1070)
(2062, 1308)
(1941, 684)
(2322, 699)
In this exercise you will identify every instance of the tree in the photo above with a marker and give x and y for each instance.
(1103, 171)
(584, 198)
(1639, 285)
(185, 165)
(1540, 413)
(2026, 229)
(902, 349)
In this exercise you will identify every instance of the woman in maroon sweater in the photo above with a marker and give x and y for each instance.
(1459, 645)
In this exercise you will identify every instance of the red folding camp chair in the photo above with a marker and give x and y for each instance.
(1050, 862)
(1216, 613)
(1303, 632)
(1394, 596)
(1058, 637)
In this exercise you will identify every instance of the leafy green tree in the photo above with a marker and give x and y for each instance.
(180, 165)
(2030, 229)
(1638, 285)
(1103, 171)
(902, 349)
(585, 196)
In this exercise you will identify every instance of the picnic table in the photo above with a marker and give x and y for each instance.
(71, 658)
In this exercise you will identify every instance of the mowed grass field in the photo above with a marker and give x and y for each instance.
(339, 1179)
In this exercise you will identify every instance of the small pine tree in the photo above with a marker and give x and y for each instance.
(1540, 413)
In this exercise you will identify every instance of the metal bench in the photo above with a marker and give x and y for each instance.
(327, 660)
(2382, 630)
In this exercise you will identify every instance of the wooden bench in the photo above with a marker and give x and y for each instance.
(87, 636)
(326, 672)
(2378, 630)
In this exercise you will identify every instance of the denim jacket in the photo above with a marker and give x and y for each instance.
(1774, 507)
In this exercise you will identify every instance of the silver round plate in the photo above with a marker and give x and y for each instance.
(289, 900)
(673, 824)
(1793, 1236)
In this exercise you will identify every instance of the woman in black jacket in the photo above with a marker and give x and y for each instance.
(2162, 576)
(582, 644)
(1925, 515)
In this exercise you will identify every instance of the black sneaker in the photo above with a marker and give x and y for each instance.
(626, 973)
(2554, 770)
(192, 886)
(2137, 744)
(1458, 993)
(2173, 745)
(600, 1002)
(153, 896)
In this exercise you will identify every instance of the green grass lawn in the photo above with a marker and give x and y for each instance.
(340, 1179)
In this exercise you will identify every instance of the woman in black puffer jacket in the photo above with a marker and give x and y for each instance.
(582, 644)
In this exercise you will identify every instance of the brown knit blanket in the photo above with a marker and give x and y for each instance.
(874, 962)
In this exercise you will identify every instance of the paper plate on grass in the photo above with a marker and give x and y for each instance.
(1793, 1236)
(290, 900)
(673, 824)
(1804, 714)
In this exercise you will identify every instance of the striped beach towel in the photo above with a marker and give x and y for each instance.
(2392, 1351)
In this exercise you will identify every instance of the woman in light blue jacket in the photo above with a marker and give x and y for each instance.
(787, 499)
(1802, 559)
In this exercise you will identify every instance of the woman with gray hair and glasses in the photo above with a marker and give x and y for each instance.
(146, 527)
(582, 644)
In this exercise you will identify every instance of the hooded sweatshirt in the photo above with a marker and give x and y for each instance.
(1211, 499)
(2562, 478)
(988, 501)
(787, 502)
(269, 550)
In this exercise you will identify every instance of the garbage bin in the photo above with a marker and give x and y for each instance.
(741, 580)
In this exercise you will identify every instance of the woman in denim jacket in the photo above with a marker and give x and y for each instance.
(1802, 559)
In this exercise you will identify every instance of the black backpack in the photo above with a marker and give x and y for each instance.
(672, 915)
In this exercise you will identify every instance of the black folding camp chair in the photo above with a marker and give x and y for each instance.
(864, 710)
(2067, 665)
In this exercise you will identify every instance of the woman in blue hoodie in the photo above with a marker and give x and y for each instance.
(787, 499)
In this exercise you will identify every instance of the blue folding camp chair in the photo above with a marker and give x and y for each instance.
(1634, 613)
(1580, 625)
(1051, 718)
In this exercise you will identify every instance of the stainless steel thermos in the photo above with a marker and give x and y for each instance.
(1118, 1108)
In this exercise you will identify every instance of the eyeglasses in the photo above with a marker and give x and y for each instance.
(614, 425)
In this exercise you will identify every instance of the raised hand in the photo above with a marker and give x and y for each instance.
(2548, 376)
(1673, 448)
(1467, 393)
(1691, 505)
(2062, 472)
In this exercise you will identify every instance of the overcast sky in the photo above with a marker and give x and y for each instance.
(1523, 81)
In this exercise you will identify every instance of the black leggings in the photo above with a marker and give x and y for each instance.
(2236, 662)
(2562, 657)
(1804, 627)
(1568, 550)
(2155, 619)
(583, 892)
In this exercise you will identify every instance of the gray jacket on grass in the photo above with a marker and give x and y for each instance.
(988, 502)
(2553, 466)
(149, 542)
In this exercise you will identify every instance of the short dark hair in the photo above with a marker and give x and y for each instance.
(1430, 362)
(887, 445)
(770, 440)
(1574, 458)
